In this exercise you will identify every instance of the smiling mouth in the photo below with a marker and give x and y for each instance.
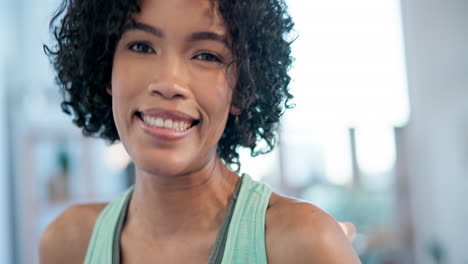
(168, 123)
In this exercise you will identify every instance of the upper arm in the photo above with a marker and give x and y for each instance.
(331, 246)
(66, 239)
(302, 233)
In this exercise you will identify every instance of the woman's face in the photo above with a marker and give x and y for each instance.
(171, 90)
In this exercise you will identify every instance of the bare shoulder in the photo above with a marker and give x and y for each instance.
(65, 240)
(300, 232)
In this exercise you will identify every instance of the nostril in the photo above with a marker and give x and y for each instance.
(169, 89)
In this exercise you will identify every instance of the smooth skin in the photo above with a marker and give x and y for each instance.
(182, 187)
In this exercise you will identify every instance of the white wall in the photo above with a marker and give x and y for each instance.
(436, 35)
(5, 243)
(5, 225)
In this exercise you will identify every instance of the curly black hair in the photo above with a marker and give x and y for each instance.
(87, 35)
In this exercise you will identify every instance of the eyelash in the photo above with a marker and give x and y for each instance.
(211, 57)
(138, 46)
(134, 47)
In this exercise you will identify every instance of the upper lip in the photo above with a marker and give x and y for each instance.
(168, 114)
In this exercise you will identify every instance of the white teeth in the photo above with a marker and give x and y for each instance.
(167, 124)
(159, 122)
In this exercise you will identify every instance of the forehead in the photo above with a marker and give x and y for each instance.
(181, 14)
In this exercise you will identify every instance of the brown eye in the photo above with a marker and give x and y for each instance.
(208, 57)
(140, 47)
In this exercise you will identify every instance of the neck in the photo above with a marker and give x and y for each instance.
(165, 207)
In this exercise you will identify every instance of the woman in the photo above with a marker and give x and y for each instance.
(182, 84)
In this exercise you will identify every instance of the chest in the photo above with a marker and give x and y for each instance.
(195, 249)
(244, 236)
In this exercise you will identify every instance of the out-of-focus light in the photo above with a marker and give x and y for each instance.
(349, 71)
(376, 152)
(350, 66)
(117, 157)
(337, 157)
(261, 166)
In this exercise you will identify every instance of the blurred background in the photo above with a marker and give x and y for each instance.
(379, 135)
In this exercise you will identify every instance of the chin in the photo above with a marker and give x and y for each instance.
(166, 163)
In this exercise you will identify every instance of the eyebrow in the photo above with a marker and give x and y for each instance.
(196, 36)
(143, 27)
(205, 35)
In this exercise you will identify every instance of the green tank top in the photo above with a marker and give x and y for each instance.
(240, 239)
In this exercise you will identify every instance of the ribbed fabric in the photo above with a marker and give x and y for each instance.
(246, 238)
(245, 241)
(100, 248)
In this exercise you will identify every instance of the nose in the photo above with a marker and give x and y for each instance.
(169, 80)
(168, 89)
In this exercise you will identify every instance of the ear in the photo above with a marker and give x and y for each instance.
(109, 90)
(234, 110)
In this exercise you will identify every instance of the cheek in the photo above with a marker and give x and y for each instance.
(127, 79)
(221, 102)
(121, 78)
(119, 93)
(124, 83)
(220, 98)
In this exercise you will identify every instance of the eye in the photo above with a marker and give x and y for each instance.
(208, 57)
(141, 47)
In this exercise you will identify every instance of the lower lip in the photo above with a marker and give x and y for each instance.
(162, 133)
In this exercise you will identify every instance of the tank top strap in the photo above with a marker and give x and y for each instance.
(100, 248)
(244, 243)
(246, 236)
